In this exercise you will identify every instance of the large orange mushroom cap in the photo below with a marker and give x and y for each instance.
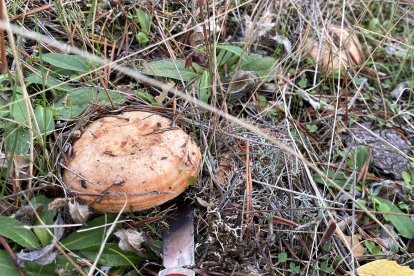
(136, 157)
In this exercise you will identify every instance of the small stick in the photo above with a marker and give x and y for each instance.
(32, 12)
(249, 185)
(124, 38)
(364, 170)
(28, 191)
(281, 220)
(105, 69)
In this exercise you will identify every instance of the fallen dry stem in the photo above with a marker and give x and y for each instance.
(249, 186)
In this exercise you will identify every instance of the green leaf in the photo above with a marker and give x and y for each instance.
(404, 206)
(48, 82)
(312, 127)
(226, 58)
(34, 269)
(412, 178)
(77, 100)
(81, 240)
(230, 48)
(361, 152)
(14, 230)
(203, 87)
(228, 55)
(46, 216)
(69, 62)
(57, 72)
(44, 118)
(403, 224)
(327, 247)
(4, 108)
(326, 268)
(263, 66)
(17, 139)
(18, 109)
(340, 178)
(262, 101)
(7, 267)
(171, 69)
(372, 247)
(282, 257)
(69, 112)
(303, 82)
(147, 97)
(192, 180)
(294, 268)
(406, 177)
(112, 255)
(142, 38)
(144, 21)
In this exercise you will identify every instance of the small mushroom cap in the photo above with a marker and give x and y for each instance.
(330, 58)
(136, 157)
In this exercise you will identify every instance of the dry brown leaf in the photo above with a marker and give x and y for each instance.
(202, 202)
(79, 212)
(262, 26)
(22, 165)
(224, 169)
(197, 37)
(164, 94)
(354, 242)
(384, 268)
(130, 239)
(57, 203)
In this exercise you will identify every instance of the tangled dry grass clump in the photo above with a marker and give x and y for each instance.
(271, 91)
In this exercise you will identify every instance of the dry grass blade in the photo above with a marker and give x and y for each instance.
(249, 187)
